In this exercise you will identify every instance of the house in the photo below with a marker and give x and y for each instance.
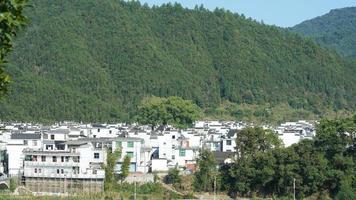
(76, 168)
(17, 143)
(132, 147)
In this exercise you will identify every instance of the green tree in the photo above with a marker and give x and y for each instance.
(13, 184)
(171, 110)
(110, 178)
(11, 18)
(173, 176)
(125, 168)
(252, 140)
(206, 171)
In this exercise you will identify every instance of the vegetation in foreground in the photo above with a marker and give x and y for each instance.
(322, 167)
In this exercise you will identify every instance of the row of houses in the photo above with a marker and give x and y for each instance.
(75, 154)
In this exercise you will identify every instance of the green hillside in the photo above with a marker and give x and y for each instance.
(336, 30)
(92, 60)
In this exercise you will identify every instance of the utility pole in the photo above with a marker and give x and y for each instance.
(135, 188)
(293, 188)
(215, 187)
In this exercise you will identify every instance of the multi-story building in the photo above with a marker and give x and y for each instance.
(76, 168)
(133, 148)
(14, 147)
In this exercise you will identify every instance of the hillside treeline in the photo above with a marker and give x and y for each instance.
(91, 60)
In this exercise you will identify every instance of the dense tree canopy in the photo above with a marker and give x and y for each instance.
(325, 166)
(171, 110)
(11, 18)
(92, 60)
(207, 172)
(336, 30)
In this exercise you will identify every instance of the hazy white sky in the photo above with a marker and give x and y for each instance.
(278, 12)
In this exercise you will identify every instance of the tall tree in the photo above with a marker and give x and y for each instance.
(252, 140)
(171, 110)
(207, 171)
(110, 178)
(11, 18)
(125, 168)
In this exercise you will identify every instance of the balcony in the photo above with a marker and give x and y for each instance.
(56, 164)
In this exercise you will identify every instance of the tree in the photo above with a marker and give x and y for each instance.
(207, 171)
(13, 184)
(173, 176)
(171, 110)
(252, 140)
(110, 178)
(11, 18)
(125, 168)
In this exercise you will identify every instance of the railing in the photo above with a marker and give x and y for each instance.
(59, 164)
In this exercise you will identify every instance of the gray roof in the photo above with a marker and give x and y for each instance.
(59, 131)
(26, 136)
(221, 156)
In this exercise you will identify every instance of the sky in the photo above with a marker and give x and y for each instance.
(284, 13)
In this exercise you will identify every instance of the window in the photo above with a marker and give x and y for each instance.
(62, 158)
(54, 159)
(118, 144)
(98, 130)
(173, 137)
(52, 137)
(35, 170)
(130, 154)
(25, 142)
(67, 158)
(34, 142)
(173, 157)
(28, 158)
(76, 159)
(43, 158)
(62, 171)
(57, 171)
(181, 152)
(95, 171)
(228, 142)
(130, 144)
(96, 155)
(75, 170)
(39, 170)
(110, 131)
(34, 158)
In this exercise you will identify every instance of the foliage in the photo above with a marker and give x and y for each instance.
(152, 190)
(173, 176)
(11, 18)
(103, 57)
(326, 163)
(13, 184)
(336, 30)
(207, 171)
(171, 110)
(125, 167)
(110, 178)
(253, 140)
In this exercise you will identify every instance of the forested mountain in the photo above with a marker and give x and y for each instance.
(92, 60)
(336, 30)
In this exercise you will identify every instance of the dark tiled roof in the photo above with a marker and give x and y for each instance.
(221, 156)
(26, 136)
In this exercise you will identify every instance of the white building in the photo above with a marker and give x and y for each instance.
(15, 146)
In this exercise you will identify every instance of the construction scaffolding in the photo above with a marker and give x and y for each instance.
(56, 185)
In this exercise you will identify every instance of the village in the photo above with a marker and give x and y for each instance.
(69, 157)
